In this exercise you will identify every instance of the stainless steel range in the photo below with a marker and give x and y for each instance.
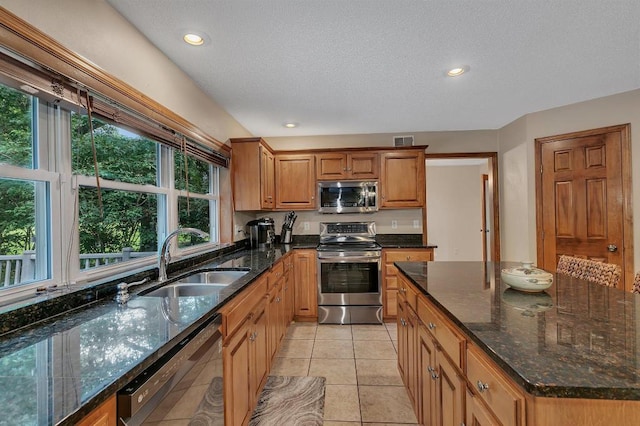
(349, 274)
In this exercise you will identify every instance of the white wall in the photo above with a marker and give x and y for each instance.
(454, 210)
(97, 32)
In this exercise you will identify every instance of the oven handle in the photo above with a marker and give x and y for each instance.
(349, 259)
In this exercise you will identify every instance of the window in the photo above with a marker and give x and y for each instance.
(197, 207)
(119, 222)
(57, 225)
(25, 193)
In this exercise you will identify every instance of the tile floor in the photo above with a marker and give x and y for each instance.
(359, 362)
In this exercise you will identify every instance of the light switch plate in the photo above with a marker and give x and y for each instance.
(394, 224)
(306, 226)
(416, 224)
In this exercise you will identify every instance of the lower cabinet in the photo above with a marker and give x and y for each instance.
(103, 415)
(390, 274)
(253, 326)
(450, 382)
(306, 288)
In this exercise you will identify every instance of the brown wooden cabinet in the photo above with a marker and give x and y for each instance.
(246, 360)
(390, 275)
(289, 288)
(347, 165)
(103, 415)
(434, 382)
(477, 414)
(306, 287)
(253, 174)
(295, 181)
(402, 179)
(276, 308)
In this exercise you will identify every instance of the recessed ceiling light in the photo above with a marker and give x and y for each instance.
(455, 72)
(290, 125)
(193, 39)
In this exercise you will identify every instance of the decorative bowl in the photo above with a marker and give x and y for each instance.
(527, 278)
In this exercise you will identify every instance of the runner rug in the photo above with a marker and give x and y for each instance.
(287, 400)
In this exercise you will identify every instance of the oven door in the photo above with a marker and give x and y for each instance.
(349, 280)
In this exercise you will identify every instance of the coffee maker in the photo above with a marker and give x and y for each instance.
(262, 232)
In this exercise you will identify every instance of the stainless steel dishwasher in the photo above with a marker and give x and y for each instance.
(186, 383)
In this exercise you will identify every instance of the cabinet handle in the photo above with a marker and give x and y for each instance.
(431, 326)
(277, 300)
(252, 337)
(430, 369)
(482, 386)
(408, 257)
(403, 322)
(435, 376)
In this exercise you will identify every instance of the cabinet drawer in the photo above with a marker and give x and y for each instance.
(234, 314)
(407, 293)
(275, 274)
(501, 396)
(450, 341)
(408, 256)
(391, 303)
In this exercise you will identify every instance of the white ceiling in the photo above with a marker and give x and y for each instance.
(378, 66)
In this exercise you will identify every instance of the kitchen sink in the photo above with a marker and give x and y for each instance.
(220, 277)
(184, 290)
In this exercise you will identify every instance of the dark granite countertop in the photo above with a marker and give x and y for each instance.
(59, 369)
(574, 340)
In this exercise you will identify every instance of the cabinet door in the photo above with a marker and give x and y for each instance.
(295, 181)
(306, 286)
(331, 166)
(289, 286)
(390, 277)
(104, 415)
(267, 178)
(402, 180)
(363, 165)
(260, 360)
(449, 389)
(476, 413)
(238, 398)
(426, 377)
(403, 356)
(412, 351)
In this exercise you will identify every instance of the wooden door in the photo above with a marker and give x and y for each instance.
(477, 414)
(260, 359)
(237, 385)
(583, 200)
(331, 166)
(412, 351)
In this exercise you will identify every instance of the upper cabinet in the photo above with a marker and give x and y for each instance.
(252, 165)
(295, 181)
(347, 165)
(402, 179)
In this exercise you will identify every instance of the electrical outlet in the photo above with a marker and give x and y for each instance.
(416, 224)
(239, 229)
(306, 226)
(394, 224)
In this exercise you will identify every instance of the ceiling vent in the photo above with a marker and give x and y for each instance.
(403, 140)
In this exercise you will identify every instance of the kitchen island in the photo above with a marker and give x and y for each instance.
(568, 355)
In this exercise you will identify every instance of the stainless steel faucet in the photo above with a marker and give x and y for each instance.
(165, 257)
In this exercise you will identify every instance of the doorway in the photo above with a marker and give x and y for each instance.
(583, 198)
(462, 217)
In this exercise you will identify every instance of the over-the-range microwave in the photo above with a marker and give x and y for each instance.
(347, 196)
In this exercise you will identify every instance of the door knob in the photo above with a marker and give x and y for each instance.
(612, 248)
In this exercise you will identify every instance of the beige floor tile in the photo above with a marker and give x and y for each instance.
(341, 403)
(333, 349)
(359, 334)
(302, 330)
(336, 371)
(333, 332)
(290, 367)
(385, 404)
(180, 422)
(374, 349)
(395, 346)
(378, 372)
(392, 328)
(296, 349)
(372, 327)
